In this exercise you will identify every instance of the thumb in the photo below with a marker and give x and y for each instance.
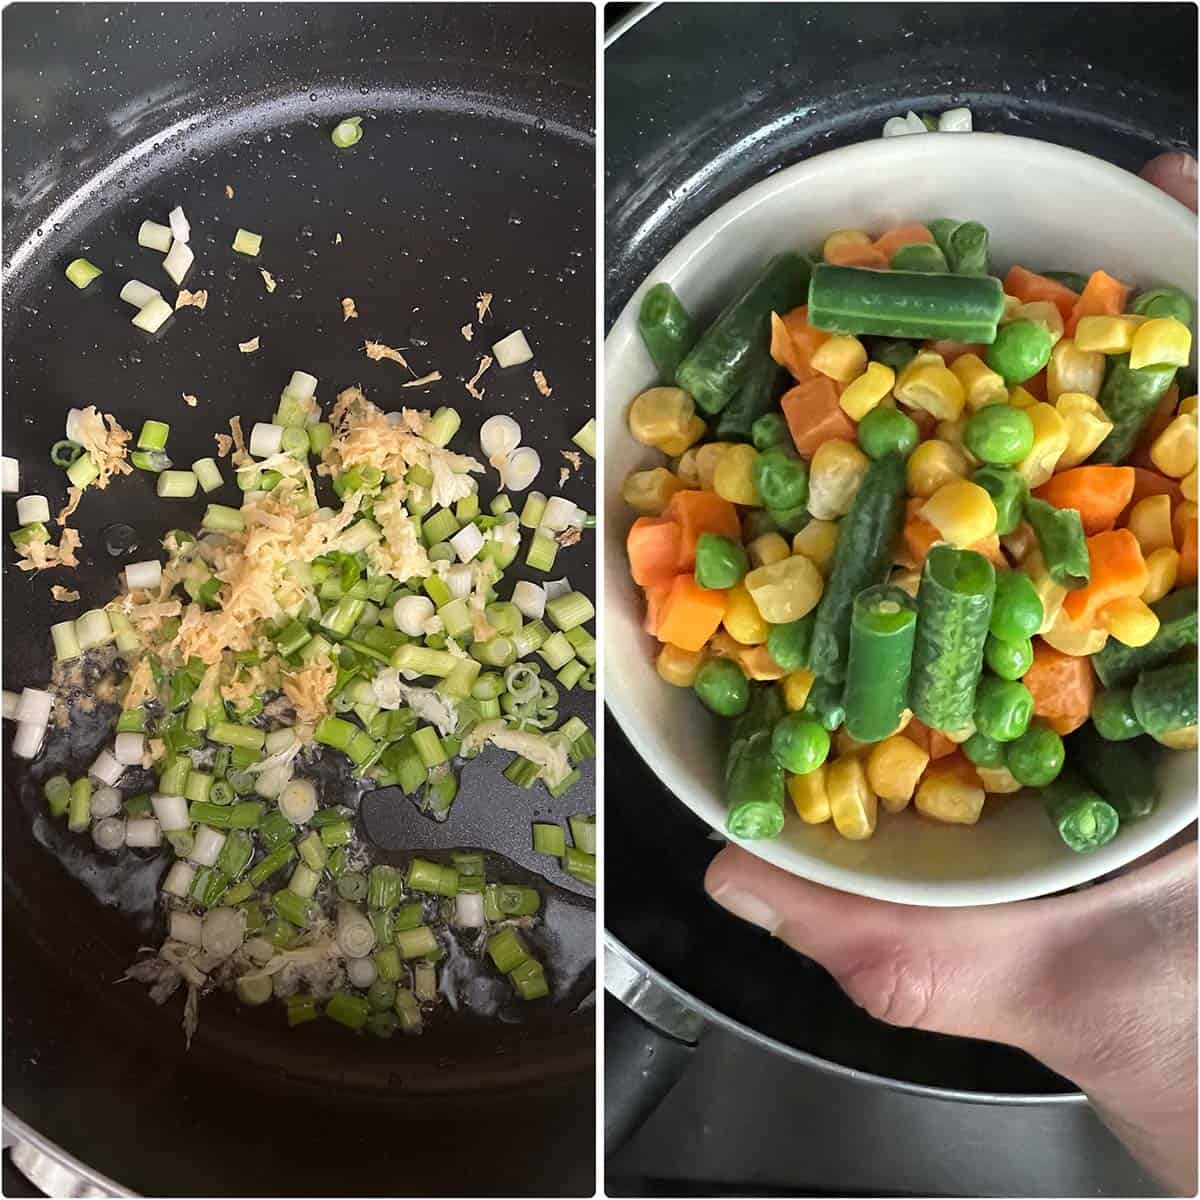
(1175, 173)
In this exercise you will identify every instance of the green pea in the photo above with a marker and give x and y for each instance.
(788, 645)
(720, 561)
(789, 521)
(781, 477)
(722, 687)
(892, 352)
(757, 522)
(1009, 660)
(1008, 491)
(1036, 757)
(999, 435)
(1020, 351)
(1113, 715)
(1003, 708)
(799, 744)
(1017, 610)
(770, 430)
(984, 751)
(883, 430)
(1164, 302)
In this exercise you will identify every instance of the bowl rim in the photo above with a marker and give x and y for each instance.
(1066, 874)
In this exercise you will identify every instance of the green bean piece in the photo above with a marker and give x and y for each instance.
(1130, 396)
(753, 399)
(1008, 491)
(1165, 699)
(755, 790)
(883, 628)
(1084, 821)
(1064, 548)
(892, 352)
(1124, 773)
(1164, 302)
(668, 331)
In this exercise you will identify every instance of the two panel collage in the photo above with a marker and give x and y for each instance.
(583, 615)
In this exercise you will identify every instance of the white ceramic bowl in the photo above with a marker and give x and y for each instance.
(1046, 207)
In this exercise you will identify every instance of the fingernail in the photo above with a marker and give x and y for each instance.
(747, 906)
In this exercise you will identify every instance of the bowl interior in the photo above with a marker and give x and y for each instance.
(1046, 207)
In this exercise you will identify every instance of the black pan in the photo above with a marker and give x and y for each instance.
(475, 173)
(702, 101)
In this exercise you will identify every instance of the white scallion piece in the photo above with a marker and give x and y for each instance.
(93, 629)
(208, 474)
(108, 833)
(146, 574)
(171, 812)
(107, 769)
(355, 937)
(154, 315)
(269, 784)
(458, 580)
(280, 740)
(179, 879)
(179, 262)
(139, 294)
(467, 542)
(74, 425)
(27, 741)
(206, 846)
(154, 236)
(955, 120)
(245, 242)
(66, 643)
(521, 469)
(224, 931)
(410, 614)
(35, 707)
(561, 513)
(106, 802)
(499, 436)
(304, 881)
(557, 587)
(32, 508)
(512, 351)
(900, 126)
(10, 474)
(468, 910)
(181, 231)
(128, 748)
(12, 701)
(143, 832)
(301, 386)
(298, 801)
(361, 972)
(185, 927)
(530, 600)
(265, 439)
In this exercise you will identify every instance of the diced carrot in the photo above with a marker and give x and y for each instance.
(1163, 416)
(700, 512)
(1062, 686)
(1187, 555)
(656, 596)
(1028, 287)
(690, 614)
(794, 342)
(991, 549)
(925, 422)
(1152, 483)
(917, 537)
(1117, 569)
(857, 256)
(918, 733)
(814, 416)
(653, 549)
(951, 350)
(1065, 725)
(1104, 296)
(1099, 494)
(902, 235)
(941, 747)
(1036, 386)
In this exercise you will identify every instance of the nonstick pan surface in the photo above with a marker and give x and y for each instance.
(475, 173)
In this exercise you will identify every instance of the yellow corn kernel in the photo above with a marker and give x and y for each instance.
(1150, 522)
(932, 464)
(1187, 405)
(742, 620)
(707, 458)
(1076, 640)
(809, 797)
(1009, 311)
(659, 414)
(844, 745)
(1187, 485)
(796, 687)
(1161, 341)
(852, 804)
(678, 667)
(650, 491)
(894, 767)
(1020, 542)
(997, 781)
(953, 432)
(733, 480)
(935, 389)
(834, 477)
(948, 796)
(1071, 369)
(1162, 569)
(1185, 515)
(1087, 426)
(841, 357)
(1173, 452)
(1042, 312)
(757, 663)
(841, 239)
(817, 541)
(1050, 593)
(784, 591)
(1106, 335)
(867, 391)
(906, 581)
(685, 468)
(1020, 397)
(691, 433)
(1179, 739)
(981, 385)
(1130, 620)
(768, 548)
(1049, 444)
(962, 512)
